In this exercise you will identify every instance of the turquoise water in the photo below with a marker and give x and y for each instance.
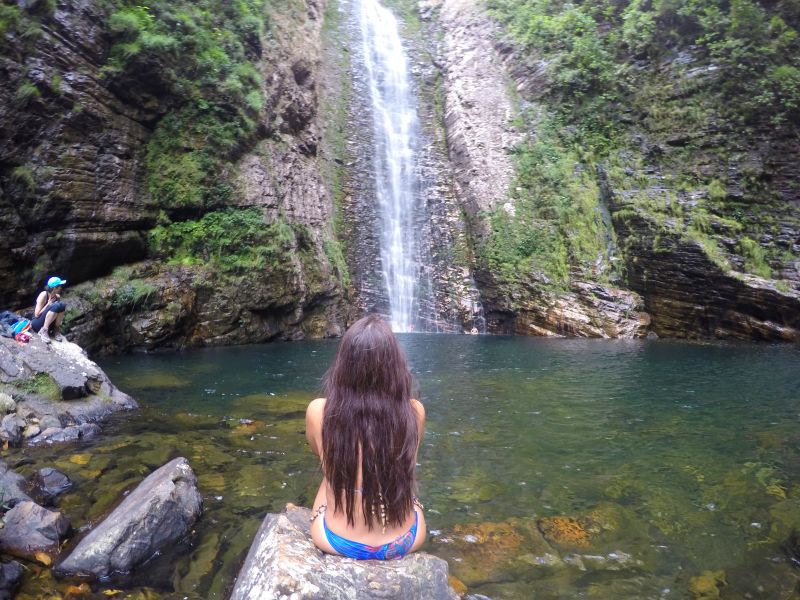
(654, 469)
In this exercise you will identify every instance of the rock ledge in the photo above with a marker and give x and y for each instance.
(284, 564)
(53, 393)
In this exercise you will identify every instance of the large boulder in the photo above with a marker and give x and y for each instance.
(157, 513)
(283, 563)
(29, 529)
(57, 391)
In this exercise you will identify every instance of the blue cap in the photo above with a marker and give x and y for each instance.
(55, 282)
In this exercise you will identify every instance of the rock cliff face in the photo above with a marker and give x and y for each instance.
(75, 199)
(71, 156)
(479, 116)
(677, 258)
(678, 261)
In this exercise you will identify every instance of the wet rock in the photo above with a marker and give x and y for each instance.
(72, 433)
(284, 562)
(10, 574)
(31, 431)
(11, 428)
(157, 513)
(13, 486)
(61, 392)
(30, 528)
(47, 484)
(49, 421)
(496, 552)
(7, 404)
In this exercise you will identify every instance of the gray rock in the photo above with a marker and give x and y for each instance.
(11, 429)
(157, 513)
(29, 528)
(72, 433)
(7, 404)
(12, 486)
(67, 389)
(48, 421)
(31, 431)
(47, 484)
(284, 563)
(10, 574)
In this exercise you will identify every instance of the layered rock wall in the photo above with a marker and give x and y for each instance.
(480, 110)
(71, 157)
(75, 201)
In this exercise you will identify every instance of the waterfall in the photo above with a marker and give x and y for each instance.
(396, 138)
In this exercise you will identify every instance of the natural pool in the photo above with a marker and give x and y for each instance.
(654, 469)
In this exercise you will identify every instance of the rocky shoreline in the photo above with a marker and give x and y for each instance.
(54, 394)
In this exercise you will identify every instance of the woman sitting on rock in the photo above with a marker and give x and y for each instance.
(367, 431)
(49, 311)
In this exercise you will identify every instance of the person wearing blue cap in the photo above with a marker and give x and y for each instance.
(49, 311)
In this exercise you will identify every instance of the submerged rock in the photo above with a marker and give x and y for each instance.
(495, 552)
(707, 585)
(29, 529)
(47, 484)
(284, 563)
(13, 486)
(158, 512)
(10, 574)
(72, 433)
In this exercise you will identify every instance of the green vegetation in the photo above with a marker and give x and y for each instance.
(134, 294)
(611, 64)
(555, 223)
(234, 240)
(207, 52)
(589, 49)
(26, 93)
(24, 23)
(755, 257)
(25, 176)
(41, 384)
(333, 250)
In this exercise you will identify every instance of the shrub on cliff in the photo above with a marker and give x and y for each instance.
(233, 240)
(204, 54)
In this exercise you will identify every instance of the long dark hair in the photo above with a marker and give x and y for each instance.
(368, 412)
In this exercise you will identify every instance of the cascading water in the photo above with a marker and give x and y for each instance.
(396, 134)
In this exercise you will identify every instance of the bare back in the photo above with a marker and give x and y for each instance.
(337, 521)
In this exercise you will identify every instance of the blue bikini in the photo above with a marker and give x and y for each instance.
(393, 550)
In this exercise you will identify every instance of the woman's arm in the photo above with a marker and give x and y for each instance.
(41, 303)
(314, 415)
(420, 410)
